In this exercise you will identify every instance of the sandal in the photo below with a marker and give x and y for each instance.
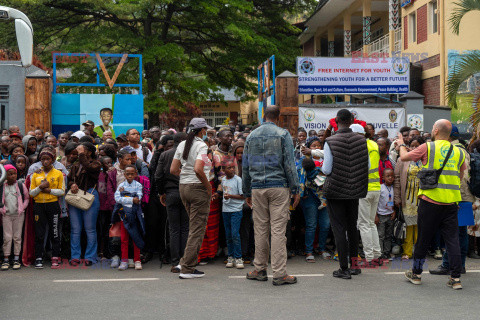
(405, 258)
(326, 255)
(310, 258)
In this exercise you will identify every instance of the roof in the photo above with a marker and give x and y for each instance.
(411, 95)
(30, 72)
(287, 74)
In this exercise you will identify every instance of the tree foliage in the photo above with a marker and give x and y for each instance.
(190, 48)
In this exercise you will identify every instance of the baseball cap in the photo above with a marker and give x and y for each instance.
(128, 149)
(88, 123)
(198, 123)
(79, 134)
(454, 134)
(122, 137)
(357, 128)
(18, 135)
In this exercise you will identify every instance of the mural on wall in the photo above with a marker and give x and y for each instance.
(69, 111)
(466, 90)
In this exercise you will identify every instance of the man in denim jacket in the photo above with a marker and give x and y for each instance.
(269, 177)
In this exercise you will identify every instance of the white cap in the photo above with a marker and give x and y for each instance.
(357, 128)
(79, 134)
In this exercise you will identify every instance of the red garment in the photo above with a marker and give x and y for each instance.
(387, 164)
(28, 252)
(210, 241)
(125, 237)
(333, 123)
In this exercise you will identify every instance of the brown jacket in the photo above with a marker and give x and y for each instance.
(84, 173)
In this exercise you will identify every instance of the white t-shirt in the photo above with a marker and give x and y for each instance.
(199, 151)
(139, 152)
(385, 204)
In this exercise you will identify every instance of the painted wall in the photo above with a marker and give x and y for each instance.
(69, 111)
(13, 76)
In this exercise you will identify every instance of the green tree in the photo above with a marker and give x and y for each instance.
(191, 48)
(467, 66)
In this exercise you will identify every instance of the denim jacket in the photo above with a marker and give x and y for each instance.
(268, 160)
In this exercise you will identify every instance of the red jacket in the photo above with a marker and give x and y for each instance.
(333, 123)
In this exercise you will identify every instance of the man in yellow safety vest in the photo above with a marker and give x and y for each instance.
(438, 207)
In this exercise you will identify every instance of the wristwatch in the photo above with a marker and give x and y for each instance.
(403, 145)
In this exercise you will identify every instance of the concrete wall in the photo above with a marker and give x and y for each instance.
(432, 114)
(13, 75)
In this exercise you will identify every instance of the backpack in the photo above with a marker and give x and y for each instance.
(145, 182)
(474, 183)
(20, 187)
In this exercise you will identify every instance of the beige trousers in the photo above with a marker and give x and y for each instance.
(12, 230)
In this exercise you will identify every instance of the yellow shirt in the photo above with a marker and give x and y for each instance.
(55, 178)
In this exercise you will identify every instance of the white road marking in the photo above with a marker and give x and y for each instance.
(270, 276)
(108, 280)
(473, 271)
(403, 272)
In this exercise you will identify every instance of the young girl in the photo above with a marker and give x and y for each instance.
(71, 155)
(104, 215)
(22, 164)
(134, 188)
(14, 200)
(46, 186)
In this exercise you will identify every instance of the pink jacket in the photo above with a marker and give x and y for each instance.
(21, 205)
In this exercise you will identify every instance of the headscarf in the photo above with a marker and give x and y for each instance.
(47, 152)
(311, 140)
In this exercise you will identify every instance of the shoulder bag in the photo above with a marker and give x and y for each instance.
(429, 177)
(82, 199)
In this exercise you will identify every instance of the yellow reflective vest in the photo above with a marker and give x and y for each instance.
(448, 189)
(373, 173)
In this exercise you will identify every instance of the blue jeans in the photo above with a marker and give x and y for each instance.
(87, 220)
(313, 216)
(463, 239)
(232, 221)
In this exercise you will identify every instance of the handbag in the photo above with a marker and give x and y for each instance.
(81, 200)
(400, 226)
(429, 177)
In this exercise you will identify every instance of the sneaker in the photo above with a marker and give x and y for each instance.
(203, 262)
(138, 265)
(257, 275)
(355, 272)
(438, 255)
(5, 265)
(131, 264)
(74, 262)
(195, 274)
(440, 270)
(342, 274)
(230, 262)
(239, 263)
(39, 263)
(123, 266)
(16, 265)
(473, 255)
(412, 277)
(455, 284)
(284, 280)
(115, 262)
(176, 269)
(55, 263)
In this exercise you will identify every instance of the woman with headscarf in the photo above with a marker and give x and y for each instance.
(84, 176)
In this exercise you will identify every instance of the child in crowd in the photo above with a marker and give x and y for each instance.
(22, 164)
(14, 197)
(128, 194)
(232, 214)
(47, 184)
(103, 220)
(386, 213)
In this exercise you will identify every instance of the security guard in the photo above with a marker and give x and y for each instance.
(438, 207)
(367, 207)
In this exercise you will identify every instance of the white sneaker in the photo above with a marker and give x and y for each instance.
(123, 266)
(193, 275)
(239, 263)
(131, 264)
(138, 265)
(115, 262)
(230, 262)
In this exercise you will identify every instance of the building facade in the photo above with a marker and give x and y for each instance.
(418, 29)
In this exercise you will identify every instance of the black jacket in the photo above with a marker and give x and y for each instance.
(164, 180)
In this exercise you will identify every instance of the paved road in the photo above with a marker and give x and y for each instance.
(155, 293)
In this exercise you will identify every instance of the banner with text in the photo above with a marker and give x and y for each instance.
(317, 119)
(320, 75)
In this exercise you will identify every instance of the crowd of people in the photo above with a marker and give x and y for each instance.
(240, 194)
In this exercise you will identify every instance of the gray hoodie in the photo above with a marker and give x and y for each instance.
(26, 139)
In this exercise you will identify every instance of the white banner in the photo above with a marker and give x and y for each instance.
(391, 119)
(321, 75)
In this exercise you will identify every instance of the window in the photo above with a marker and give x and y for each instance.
(3, 92)
(215, 118)
(433, 17)
(412, 27)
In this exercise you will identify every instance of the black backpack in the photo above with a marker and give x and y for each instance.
(20, 187)
(474, 183)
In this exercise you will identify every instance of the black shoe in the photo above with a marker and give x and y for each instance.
(355, 272)
(39, 263)
(146, 257)
(195, 274)
(284, 280)
(463, 270)
(88, 263)
(473, 255)
(257, 275)
(441, 270)
(342, 274)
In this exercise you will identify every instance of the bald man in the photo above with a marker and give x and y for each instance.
(383, 133)
(438, 204)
